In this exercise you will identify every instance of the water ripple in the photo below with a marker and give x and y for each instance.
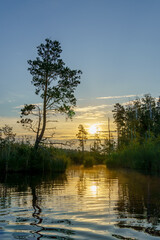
(87, 204)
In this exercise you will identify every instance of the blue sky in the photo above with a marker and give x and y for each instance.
(116, 43)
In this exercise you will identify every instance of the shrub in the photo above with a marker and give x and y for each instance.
(88, 160)
(144, 156)
(22, 157)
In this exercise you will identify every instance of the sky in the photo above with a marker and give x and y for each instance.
(116, 44)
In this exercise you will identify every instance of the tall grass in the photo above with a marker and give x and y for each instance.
(18, 157)
(88, 159)
(22, 157)
(144, 156)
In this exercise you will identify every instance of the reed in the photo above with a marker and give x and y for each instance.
(20, 157)
(138, 156)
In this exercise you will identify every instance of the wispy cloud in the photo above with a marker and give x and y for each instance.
(89, 116)
(81, 99)
(91, 108)
(95, 113)
(7, 101)
(21, 106)
(18, 107)
(128, 103)
(11, 97)
(92, 113)
(118, 97)
(12, 121)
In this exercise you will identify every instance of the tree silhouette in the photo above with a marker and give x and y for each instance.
(82, 136)
(139, 120)
(55, 83)
(6, 135)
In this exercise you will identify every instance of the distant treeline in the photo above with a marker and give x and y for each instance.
(23, 157)
(137, 145)
(138, 120)
(138, 135)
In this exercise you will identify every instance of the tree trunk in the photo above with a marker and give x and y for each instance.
(40, 136)
(82, 146)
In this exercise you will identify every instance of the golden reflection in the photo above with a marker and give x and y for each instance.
(94, 190)
(124, 199)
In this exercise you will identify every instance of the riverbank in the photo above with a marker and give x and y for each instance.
(21, 157)
(145, 157)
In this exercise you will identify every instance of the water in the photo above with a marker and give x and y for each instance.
(83, 204)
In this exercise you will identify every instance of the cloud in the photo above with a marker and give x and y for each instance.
(118, 97)
(128, 103)
(81, 99)
(11, 97)
(91, 108)
(96, 115)
(86, 117)
(11, 121)
(93, 112)
(18, 107)
(21, 106)
(7, 101)
(11, 101)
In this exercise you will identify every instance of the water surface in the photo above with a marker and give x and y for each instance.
(94, 203)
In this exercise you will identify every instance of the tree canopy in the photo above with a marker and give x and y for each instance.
(82, 136)
(139, 120)
(55, 83)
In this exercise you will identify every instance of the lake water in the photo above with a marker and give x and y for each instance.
(88, 204)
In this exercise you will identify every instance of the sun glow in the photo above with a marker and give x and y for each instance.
(93, 129)
(94, 189)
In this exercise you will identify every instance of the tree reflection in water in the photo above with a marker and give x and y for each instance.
(24, 183)
(80, 201)
(138, 198)
(37, 213)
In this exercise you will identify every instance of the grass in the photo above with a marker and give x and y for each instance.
(138, 156)
(20, 157)
(88, 159)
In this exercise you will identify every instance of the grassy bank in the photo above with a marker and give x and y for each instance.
(138, 156)
(19, 157)
(88, 159)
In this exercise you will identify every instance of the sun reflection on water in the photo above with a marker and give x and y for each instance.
(91, 204)
(94, 190)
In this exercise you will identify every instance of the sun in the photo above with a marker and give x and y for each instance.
(94, 190)
(93, 129)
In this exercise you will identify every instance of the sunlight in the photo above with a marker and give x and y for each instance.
(94, 189)
(93, 129)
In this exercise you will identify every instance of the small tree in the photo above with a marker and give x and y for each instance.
(119, 119)
(7, 138)
(6, 135)
(55, 84)
(108, 145)
(96, 148)
(82, 136)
